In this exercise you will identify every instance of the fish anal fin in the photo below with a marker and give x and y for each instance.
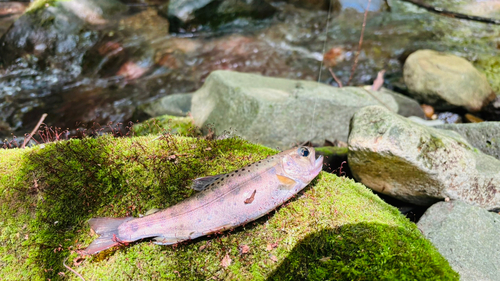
(201, 184)
(286, 182)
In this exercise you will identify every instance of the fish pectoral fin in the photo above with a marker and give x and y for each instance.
(201, 184)
(160, 240)
(286, 182)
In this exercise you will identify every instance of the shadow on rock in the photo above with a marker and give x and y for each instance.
(363, 251)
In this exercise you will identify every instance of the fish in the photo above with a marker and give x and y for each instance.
(223, 202)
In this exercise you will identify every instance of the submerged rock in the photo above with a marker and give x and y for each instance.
(279, 112)
(467, 236)
(485, 135)
(184, 14)
(419, 164)
(446, 81)
(334, 229)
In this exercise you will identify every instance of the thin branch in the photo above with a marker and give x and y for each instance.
(452, 14)
(72, 270)
(27, 139)
(335, 77)
(355, 64)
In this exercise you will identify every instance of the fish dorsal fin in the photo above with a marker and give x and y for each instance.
(201, 184)
(286, 182)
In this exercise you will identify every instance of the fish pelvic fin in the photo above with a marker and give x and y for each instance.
(107, 228)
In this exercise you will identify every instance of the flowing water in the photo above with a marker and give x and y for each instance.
(104, 73)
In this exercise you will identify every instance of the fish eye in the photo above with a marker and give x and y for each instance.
(303, 151)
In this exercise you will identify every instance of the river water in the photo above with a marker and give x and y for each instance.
(103, 73)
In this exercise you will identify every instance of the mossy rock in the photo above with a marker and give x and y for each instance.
(167, 124)
(335, 229)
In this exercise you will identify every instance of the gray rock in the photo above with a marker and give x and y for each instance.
(407, 106)
(485, 135)
(175, 105)
(467, 236)
(446, 81)
(419, 164)
(279, 112)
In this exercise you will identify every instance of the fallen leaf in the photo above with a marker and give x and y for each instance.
(333, 56)
(323, 259)
(226, 261)
(244, 249)
(269, 247)
(274, 258)
(379, 81)
(202, 247)
(428, 110)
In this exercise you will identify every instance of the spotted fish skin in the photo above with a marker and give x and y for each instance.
(225, 201)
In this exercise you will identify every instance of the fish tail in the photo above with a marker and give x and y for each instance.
(107, 228)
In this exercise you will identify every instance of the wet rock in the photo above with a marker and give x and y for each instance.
(445, 81)
(316, 4)
(406, 106)
(467, 236)
(58, 28)
(175, 105)
(187, 14)
(279, 112)
(419, 164)
(484, 136)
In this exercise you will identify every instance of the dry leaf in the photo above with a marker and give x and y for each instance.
(244, 249)
(379, 81)
(323, 259)
(226, 261)
(202, 247)
(269, 247)
(274, 258)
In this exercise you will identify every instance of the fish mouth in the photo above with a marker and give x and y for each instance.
(318, 165)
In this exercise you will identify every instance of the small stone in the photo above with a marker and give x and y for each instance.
(428, 110)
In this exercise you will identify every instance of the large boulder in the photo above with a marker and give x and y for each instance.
(467, 236)
(485, 136)
(335, 229)
(419, 164)
(279, 112)
(446, 81)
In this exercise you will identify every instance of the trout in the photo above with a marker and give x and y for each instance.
(224, 202)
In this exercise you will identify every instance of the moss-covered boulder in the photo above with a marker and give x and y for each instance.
(335, 229)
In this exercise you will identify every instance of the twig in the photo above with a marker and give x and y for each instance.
(27, 139)
(355, 64)
(335, 77)
(452, 14)
(72, 270)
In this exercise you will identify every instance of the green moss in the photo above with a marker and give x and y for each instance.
(331, 150)
(490, 66)
(167, 124)
(334, 229)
